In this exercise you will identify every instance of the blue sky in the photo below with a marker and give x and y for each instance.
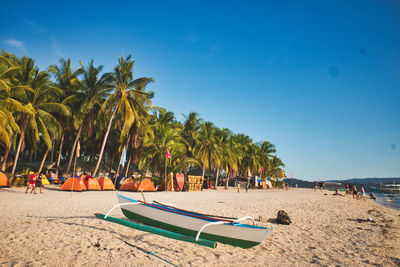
(319, 79)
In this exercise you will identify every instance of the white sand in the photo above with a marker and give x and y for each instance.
(54, 229)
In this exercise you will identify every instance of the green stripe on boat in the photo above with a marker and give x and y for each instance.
(158, 231)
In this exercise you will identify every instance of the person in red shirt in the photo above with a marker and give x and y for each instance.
(31, 184)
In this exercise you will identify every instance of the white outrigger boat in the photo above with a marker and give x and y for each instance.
(210, 228)
(390, 188)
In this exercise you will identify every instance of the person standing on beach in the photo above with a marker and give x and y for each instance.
(321, 184)
(39, 183)
(362, 192)
(247, 187)
(238, 187)
(347, 189)
(354, 189)
(315, 186)
(31, 183)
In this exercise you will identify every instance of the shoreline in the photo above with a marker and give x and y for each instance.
(39, 229)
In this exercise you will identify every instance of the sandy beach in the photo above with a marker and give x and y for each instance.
(55, 229)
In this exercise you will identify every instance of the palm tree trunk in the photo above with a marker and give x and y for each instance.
(71, 156)
(52, 150)
(127, 167)
(59, 153)
(4, 165)
(112, 161)
(45, 156)
(119, 163)
(227, 181)
(105, 140)
(216, 180)
(21, 139)
(202, 180)
(35, 154)
(30, 156)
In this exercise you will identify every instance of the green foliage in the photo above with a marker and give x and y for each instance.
(114, 110)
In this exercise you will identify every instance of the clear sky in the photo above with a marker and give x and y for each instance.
(319, 79)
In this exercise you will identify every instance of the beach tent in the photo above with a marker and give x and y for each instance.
(146, 185)
(44, 180)
(78, 184)
(106, 183)
(91, 183)
(3, 180)
(128, 185)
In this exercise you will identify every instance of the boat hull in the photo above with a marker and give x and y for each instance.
(235, 234)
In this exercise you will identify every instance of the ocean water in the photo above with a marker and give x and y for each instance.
(389, 200)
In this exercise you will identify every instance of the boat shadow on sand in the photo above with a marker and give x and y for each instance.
(134, 237)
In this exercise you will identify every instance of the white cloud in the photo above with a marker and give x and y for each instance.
(15, 43)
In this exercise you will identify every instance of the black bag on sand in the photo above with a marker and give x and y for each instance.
(283, 217)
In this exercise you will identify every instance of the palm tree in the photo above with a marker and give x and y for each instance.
(266, 151)
(166, 135)
(128, 99)
(229, 156)
(66, 80)
(191, 127)
(89, 96)
(139, 130)
(251, 161)
(276, 167)
(8, 126)
(206, 150)
(38, 99)
(232, 158)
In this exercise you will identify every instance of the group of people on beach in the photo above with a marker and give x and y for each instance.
(35, 180)
(350, 189)
(320, 184)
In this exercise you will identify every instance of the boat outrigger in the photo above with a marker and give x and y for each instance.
(187, 225)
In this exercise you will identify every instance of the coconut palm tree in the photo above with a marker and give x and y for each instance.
(276, 167)
(206, 149)
(88, 98)
(191, 127)
(128, 99)
(229, 155)
(7, 104)
(251, 161)
(38, 99)
(67, 80)
(232, 158)
(266, 153)
(166, 135)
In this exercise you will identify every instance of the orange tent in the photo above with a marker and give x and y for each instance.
(3, 180)
(146, 185)
(91, 183)
(106, 183)
(78, 184)
(128, 185)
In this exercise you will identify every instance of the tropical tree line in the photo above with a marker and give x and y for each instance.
(45, 115)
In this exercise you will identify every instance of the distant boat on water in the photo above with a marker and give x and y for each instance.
(389, 188)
